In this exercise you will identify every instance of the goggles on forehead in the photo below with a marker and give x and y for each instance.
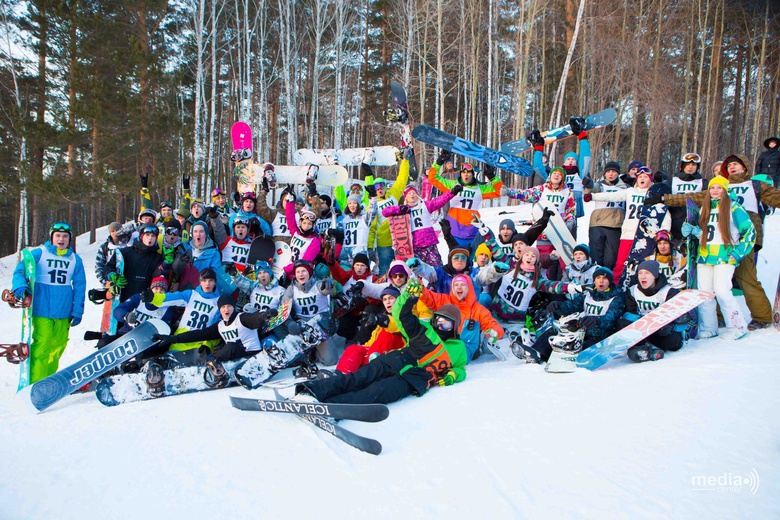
(62, 227)
(644, 170)
(216, 192)
(467, 167)
(309, 217)
(691, 158)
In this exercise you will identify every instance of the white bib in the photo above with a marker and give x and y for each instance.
(236, 332)
(355, 231)
(309, 304)
(235, 252)
(516, 292)
(682, 186)
(199, 313)
(55, 270)
(469, 198)
(745, 194)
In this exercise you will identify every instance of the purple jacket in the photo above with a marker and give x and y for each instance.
(425, 236)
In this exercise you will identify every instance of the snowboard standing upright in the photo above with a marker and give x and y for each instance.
(120, 269)
(692, 246)
(27, 317)
(592, 122)
(435, 137)
(241, 139)
(650, 220)
(401, 233)
(399, 115)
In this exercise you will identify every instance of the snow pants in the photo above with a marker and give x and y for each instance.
(355, 356)
(429, 254)
(604, 243)
(620, 264)
(755, 297)
(717, 279)
(49, 339)
(377, 382)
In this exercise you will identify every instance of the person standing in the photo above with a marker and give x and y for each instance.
(58, 301)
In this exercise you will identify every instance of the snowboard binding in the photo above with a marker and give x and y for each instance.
(311, 175)
(15, 353)
(155, 379)
(215, 375)
(10, 299)
(99, 296)
(308, 370)
(241, 155)
(269, 174)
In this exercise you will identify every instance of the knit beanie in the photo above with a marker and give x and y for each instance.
(722, 181)
(612, 165)
(159, 281)
(361, 258)
(483, 249)
(651, 266)
(225, 299)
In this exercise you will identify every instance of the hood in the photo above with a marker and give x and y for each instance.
(209, 296)
(53, 249)
(770, 139)
(468, 302)
(744, 176)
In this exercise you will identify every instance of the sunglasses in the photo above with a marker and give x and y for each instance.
(443, 324)
(460, 257)
(691, 158)
(172, 232)
(398, 275)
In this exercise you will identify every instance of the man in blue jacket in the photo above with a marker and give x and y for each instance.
(58, 301)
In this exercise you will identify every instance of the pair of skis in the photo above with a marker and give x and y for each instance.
(324, 417)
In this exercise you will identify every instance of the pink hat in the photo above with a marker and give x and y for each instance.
(460, 278)
(410, 188)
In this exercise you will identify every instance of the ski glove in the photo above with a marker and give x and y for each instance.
(371, 190)
(689, 229)
(456, 189)
(653, 198)
(413, 263)
(587, 197)
(144, 181)
(492, 336)
(448, 379)
(577, 124)
(547, 214)
(327, 286)
(408, 153)
(237, 197)
(573, 288)
(162, 340)
(415, 288)
(131, 318)
(231, 269)
(403, 209)
(21, 293)
(665, 330)
(147, 295)
(212, 212)
(490, 172)
(501, 267)
(589, 322)
(311, 188)
(294, 328)
(366, 170)
(587, 182)
(118, 279)
(169, 253)
(535, 138)
(75, 320)
(444, 156)
(357, 287)
(659, 177)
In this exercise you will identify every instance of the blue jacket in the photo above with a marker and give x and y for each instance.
(55, 301)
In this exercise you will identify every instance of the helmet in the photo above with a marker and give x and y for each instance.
(147, 213)
(240, 220)
(62, 227)
(148, 228)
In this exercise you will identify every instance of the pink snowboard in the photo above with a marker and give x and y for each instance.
(241, 136)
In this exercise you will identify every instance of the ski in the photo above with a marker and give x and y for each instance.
(366, 444)
(435, 137)
(615, 345)
(592, 122)
(336, 411)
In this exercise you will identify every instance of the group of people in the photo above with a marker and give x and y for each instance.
(393, 327)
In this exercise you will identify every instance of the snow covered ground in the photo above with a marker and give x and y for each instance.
(692, 436)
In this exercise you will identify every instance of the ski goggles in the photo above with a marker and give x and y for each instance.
(644, 170)
(166, 204)
(663, 235)
(150, 229)
(248, 195)
(172, 231)
(691, 158)
(62, 227)
(443, 323)
(309, 216)
(216, 192)
(262, 265)
(467, 167)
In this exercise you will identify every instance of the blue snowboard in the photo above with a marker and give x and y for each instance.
(48, 391)
(435, 137)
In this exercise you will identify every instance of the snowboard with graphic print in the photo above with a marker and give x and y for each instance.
(592, 122)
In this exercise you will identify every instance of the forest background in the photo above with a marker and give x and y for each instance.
(94, 94)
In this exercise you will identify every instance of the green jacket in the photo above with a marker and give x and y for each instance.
(716, 254)
(436, 360)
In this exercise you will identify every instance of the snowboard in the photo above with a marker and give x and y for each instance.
(27, 317)
(282, 258)
(477, 152)
(692, 246)
(241, 138)
(650, 220)
(261, 250)
(776, 308)
(401, 233)
(557, 233)
(129, 388)
(326, 175)
(337, 411)
(616, 345)
(592, 122)
(120, 269)
(48, 391)
(376, 156)
(399, 115)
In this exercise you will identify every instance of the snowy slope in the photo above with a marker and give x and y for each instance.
(631, 441)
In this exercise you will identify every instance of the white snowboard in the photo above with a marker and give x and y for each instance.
(557, 233)
(282, 258)
(326, 175)
(376, 156)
